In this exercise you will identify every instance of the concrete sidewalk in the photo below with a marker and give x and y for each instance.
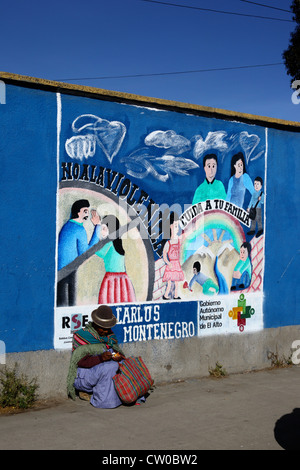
(251, 411)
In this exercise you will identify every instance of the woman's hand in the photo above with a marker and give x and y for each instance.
(106, 356)
(117, 357)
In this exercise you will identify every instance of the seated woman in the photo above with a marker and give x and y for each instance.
(95, 359)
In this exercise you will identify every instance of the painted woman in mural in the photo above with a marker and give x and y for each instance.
(171, 256)
(239, 181)
(116, 287)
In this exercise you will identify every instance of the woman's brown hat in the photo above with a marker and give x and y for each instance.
(103, 316)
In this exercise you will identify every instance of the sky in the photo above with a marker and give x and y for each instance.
(140, 46)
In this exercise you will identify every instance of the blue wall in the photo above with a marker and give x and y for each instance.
(28, 148)
(282, 247)
(28, 201)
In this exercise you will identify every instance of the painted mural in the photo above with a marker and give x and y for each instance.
(160, 215)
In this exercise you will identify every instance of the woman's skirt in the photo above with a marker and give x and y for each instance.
(173, 272)
(116, 288)
(98, 380)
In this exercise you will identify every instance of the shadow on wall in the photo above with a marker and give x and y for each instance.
(287, 430)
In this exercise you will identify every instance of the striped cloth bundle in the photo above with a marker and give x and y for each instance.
(88, 335)
(133, 380)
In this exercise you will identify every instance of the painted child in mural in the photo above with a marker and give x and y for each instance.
(242, 273)
(116, 287)
(239, 181)
(207, 284)
(171, 256)
(210, 188)
(257, 200)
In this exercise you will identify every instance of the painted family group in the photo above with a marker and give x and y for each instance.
(116, 286)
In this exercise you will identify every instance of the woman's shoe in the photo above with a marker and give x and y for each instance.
(84, 396)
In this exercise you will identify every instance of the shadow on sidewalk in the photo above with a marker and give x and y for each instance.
(287, 430)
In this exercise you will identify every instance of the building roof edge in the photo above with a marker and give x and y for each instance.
(68, 88)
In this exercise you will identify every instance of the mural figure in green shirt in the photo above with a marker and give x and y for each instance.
(242, 273)
(116, 287)
(210, 188)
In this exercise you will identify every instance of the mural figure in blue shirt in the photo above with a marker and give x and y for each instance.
(208, 286)
(73, 242)
(239, 181)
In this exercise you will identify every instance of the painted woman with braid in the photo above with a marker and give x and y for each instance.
(116, 287)
(239, 182)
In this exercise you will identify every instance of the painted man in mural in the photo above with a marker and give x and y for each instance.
(210, 188)
(73, 242)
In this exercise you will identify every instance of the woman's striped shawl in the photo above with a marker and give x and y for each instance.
(88, 335)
